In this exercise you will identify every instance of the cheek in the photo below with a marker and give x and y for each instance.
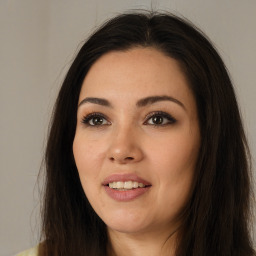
(174, 164)
(89, 156)
(175, 172)
(177, 154)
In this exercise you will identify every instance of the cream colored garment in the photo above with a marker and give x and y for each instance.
(30, 252)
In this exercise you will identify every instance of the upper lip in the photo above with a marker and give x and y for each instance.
(125, 177)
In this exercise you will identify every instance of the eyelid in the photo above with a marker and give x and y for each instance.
(169, 117)
(86, 118)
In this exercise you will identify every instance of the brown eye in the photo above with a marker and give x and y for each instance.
(95, 119)
(157, 120)
(160, 119)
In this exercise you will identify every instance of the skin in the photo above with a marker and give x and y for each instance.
(128, 141)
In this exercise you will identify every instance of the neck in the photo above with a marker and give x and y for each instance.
(130, 244)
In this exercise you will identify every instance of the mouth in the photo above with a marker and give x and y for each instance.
(125, 187)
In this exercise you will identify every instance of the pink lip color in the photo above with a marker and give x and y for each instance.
(124, 177)
(127, 195)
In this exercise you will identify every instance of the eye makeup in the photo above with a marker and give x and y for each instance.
(95, 119)
(159, 118)
(155, 118)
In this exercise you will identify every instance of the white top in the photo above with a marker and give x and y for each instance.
(30, 252)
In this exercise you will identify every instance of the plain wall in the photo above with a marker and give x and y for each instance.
(38, 42)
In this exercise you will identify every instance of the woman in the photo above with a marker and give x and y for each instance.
(146, 153)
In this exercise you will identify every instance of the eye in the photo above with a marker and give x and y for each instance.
(160, 118)
(95, 119)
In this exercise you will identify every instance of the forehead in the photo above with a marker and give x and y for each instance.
(133, 73)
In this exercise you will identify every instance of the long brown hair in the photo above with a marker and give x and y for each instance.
(216, 219)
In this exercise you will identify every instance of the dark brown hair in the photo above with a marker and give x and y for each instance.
(216, 219)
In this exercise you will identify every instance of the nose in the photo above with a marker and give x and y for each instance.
(125, 147)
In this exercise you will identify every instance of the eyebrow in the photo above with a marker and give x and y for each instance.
(140, 103)
(99, 101)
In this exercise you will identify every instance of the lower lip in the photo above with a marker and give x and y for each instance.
(127, 195)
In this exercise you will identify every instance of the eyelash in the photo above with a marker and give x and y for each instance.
(170, 120)
(89, 117)
(164, 115)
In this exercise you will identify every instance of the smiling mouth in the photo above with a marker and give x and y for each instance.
(126, 185)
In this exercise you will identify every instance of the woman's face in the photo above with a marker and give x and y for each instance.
(137, 140)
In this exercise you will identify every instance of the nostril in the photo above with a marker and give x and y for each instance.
(129, 158)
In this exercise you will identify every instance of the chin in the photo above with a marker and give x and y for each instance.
(127, 228)
(125, 222)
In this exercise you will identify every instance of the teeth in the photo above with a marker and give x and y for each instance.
(120, 185)
(141, 185)
(128, 185)
(135, 184)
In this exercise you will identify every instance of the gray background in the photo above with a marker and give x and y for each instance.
(39, 40)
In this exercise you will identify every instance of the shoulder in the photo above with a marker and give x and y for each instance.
(30, 252)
